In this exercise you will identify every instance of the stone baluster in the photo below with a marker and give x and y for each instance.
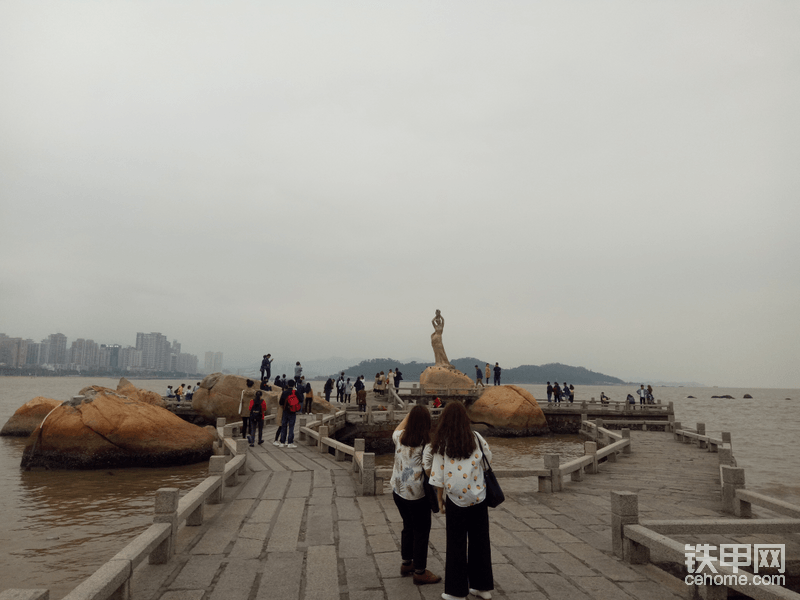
(301, 435)
(216, 468)
(625, 511)
(166, 511)
(701, 430)
(590, 449)
(323, 433)
(626, 435)
(732, 480)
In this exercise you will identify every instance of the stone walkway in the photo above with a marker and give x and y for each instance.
(295, 530)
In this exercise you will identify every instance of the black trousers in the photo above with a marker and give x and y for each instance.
(259, 423)
(416, 516)
(468, 563)
(245, 426)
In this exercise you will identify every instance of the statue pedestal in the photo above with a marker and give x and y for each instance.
(438, 379)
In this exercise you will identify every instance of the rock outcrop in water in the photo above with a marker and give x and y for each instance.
(437, 377)
(28, 416)
(509, 411)
(108, 430)
(126, 388)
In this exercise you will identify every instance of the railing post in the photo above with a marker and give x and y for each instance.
(166, 511)
(216, 468)
(323, 433)
(368, 475)
(241, 449)
(359, 445)
(701, 430)
(626, 435)
(732, 480)
(553, 462)
(625, 511)
(590, 449)
(370, 420)
(301, 435)
(726, 456)
(676, 428)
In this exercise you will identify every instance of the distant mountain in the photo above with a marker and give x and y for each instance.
(522, 374)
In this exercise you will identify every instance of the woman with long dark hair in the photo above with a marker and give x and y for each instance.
(457, 473)
(412, 456)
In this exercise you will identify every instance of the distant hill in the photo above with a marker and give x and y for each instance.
(522, 374)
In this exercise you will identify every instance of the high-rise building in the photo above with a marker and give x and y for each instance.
(155, 351)
(213, 363)
(57, 350)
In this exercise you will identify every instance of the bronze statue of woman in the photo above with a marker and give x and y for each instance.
(439, 355)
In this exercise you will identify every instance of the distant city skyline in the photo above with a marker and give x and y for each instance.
(151, 352)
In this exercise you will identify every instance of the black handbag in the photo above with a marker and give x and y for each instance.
(494, 494)
(430, 492)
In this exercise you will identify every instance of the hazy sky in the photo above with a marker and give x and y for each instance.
(609, 184)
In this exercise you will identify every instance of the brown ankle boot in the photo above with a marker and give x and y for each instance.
(406, 570)
(426, 577)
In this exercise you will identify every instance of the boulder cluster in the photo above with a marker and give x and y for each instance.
(105, 428)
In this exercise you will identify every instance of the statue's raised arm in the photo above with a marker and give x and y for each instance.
(439, 355)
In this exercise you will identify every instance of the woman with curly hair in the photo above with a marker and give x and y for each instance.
(457, 473)
(412, 455)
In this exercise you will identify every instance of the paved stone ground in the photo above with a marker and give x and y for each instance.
(295, 530)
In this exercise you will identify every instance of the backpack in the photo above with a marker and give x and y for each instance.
(293, 403)
(256, 412)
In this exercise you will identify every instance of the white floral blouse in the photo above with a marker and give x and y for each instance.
(409, 463)
(462, 479)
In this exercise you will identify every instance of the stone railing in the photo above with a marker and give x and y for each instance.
(611, 406)
(318, 431)
(157, 543)
(610, 443)
(633, 540)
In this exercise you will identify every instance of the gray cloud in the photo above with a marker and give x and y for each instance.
(612, 186)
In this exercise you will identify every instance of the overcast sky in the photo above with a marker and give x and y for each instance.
(608, 184)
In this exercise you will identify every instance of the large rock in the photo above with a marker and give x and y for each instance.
(28, 416)
(218, 396)
(434, 378)
(109, 430)
(126, 388)
(508, 411)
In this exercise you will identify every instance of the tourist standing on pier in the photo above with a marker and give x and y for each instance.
(340, 389)
(488, 373)
(497, 371)
(328, 388)
(650, 398)
(571, 393)
(348, 391)
(298, 371)
(361, 390)
(288, 418)
(258, 408)
(642, 394)
(457, 473)
(244, 405)
(266, 367)
(179, 392)
(549, 392)
(398, 377)
(413, 455)
(390, 379)
(309, 395)
(556, 393)
(478, 376)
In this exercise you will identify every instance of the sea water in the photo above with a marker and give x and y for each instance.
(60, 526)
